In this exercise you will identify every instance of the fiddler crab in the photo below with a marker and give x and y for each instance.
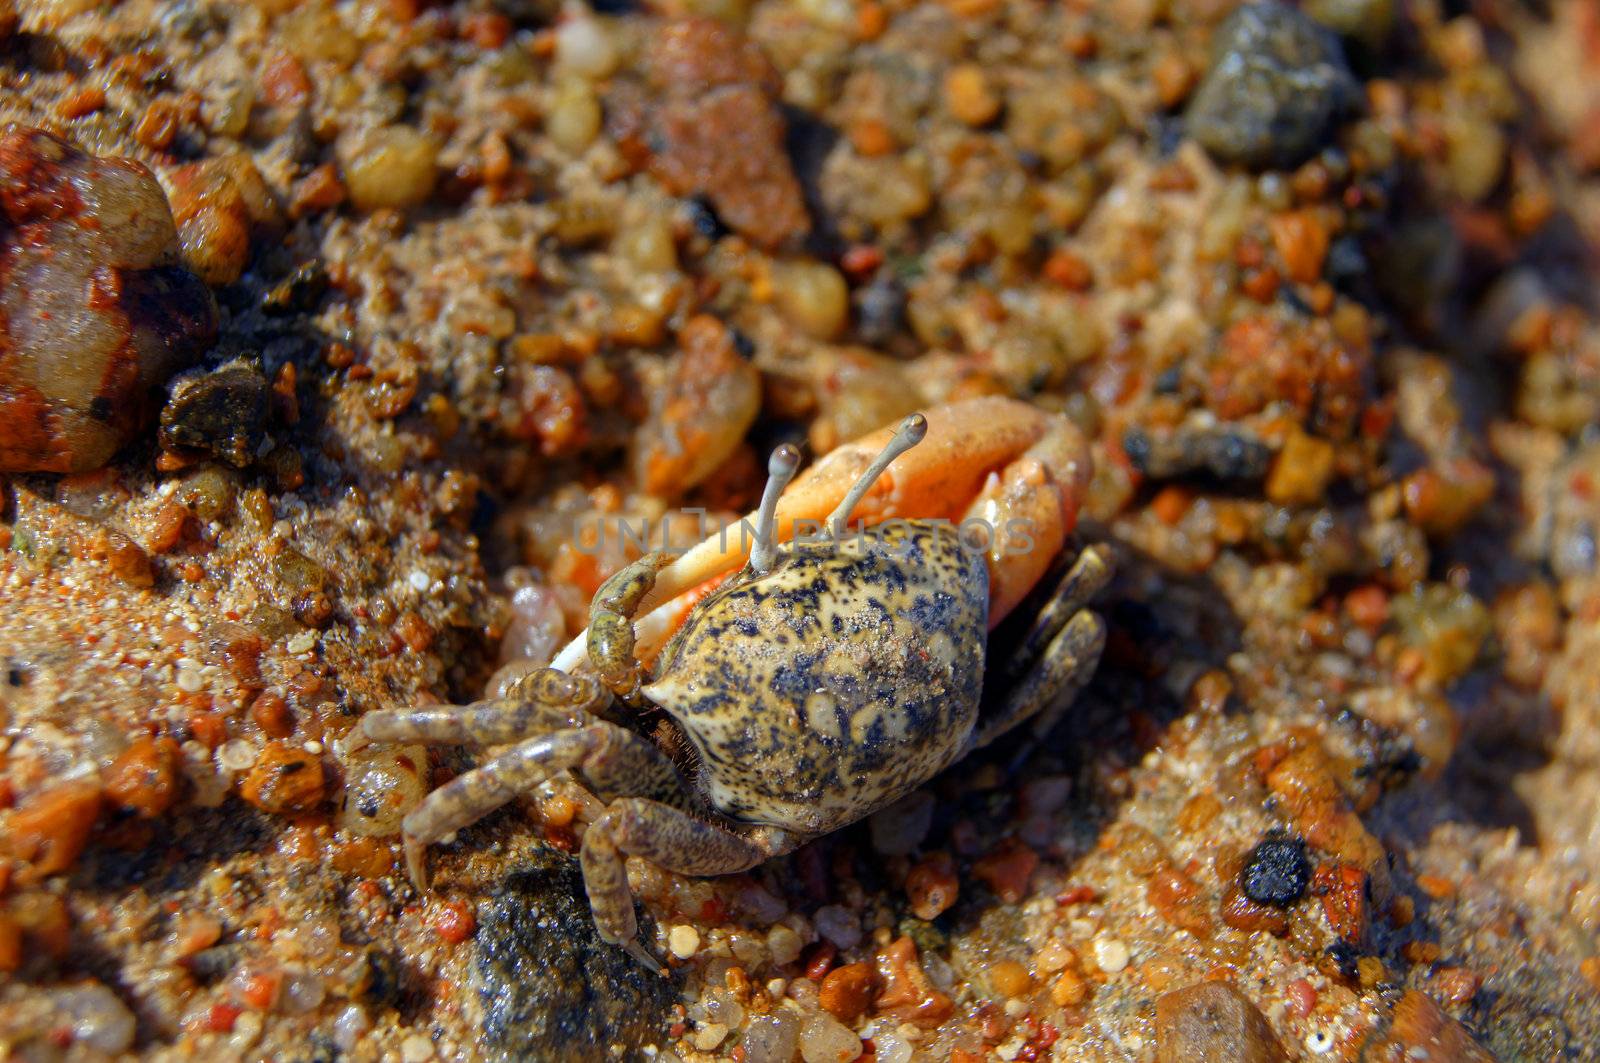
(799, 682)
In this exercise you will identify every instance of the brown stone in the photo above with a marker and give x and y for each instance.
(144, 778)
(1213, 1021)
(1419, 1029)
(284, 779)
(49, 830)
(846, 991)
(719, 131)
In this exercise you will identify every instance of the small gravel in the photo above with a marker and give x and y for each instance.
(683, 940)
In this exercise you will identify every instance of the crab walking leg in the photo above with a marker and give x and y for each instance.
(608, 758)
(1086, 578)
(1056, 657)
(671, 839)
(611, 637)
(542, 701)
(1046, 692)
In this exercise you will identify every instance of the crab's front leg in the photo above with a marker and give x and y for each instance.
(544, 702)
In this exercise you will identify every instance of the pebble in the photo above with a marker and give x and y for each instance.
(95, 310)
(1276, 872)
(383, 783)
(236, 754)
(969, 95)
(97, 1018)
(846, 991)
(823, 1039)
(350, 1025)
(1277, 80)
(1367, 21)
(895, 1045)
(585, 49)
(772, 1038)
(1213, 1020)
(416, 1049)
(839, 925)
(683, 941)
(1110, 954)
(710, 1035)
(814, 296)
(784, 945)
(222, 411)
(391, 168)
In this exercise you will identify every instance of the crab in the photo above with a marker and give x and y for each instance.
(783, 680)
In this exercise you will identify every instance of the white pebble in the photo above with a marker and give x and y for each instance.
(771, 1038)
(416, 1049)
(892, 1047)
(824, 1039)
(302, 643)
(584, 48)
(96, 1017)
(1110, 954)
(683, 940)
(537, 627)
(419, 580)
(236, 755)
(1319, 1042)
(350, 1025)
(784, 944)
(189, 680)
(710, 1035)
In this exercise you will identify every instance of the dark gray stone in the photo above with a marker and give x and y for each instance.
(548, 987)
(1276, 83)
(222, 412)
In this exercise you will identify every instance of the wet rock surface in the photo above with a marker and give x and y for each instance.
(548, 987)
(1277, 80)
(95, 312)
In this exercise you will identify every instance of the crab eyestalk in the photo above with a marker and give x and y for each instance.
(908, 435)
(781, 467)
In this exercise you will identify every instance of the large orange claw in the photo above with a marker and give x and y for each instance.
(1018, 469)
